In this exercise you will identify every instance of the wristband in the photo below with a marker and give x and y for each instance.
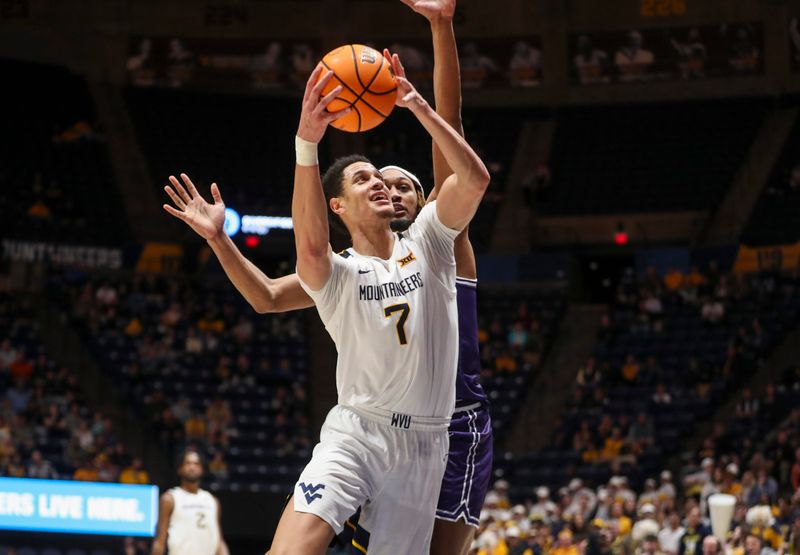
(305, 152)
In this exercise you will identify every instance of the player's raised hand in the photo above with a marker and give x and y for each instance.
(407, 95)
(205, 218)
(314, 116)
(432, 9)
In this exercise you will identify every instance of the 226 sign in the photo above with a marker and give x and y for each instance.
(14, 9)
(662, 8)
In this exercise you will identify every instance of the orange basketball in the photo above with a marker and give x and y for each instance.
(368, 85)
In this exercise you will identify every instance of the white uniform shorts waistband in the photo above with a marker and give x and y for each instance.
(401, 421)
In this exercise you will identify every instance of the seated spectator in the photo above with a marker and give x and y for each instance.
(712, 311)
(630, 370)
(211, 322)
(695, 278)
(711, 546)
(669, 538)
(219, 417)
(589, 374)
(182, 409)
(646, 527)
(649, 546)
(764, 491)
(505, 363)
(518, 336)
(591, 454)
(15, 468)
(754, 545)
(218, 467)
(673, 279)
(651, 304)
(106, 295)
(695, 481)
(691, 542)
(242, 332)
(564, 545)
(729, 484)
(87, 472)
(195, 428)
(194, 343)
(666, 490)
(106, 472)
(661, 397)
(19, 396)
(650, 371)
(747, 407)
(134, 328)
(38, 467)
(21, 369)
(134, 474)
(613, 445)
(8, 354)
(642, 431)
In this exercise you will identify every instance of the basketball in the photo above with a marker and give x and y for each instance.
(368, 85)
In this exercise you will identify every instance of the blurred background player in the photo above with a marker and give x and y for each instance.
(188, 516)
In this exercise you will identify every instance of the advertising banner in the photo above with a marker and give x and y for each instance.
(78, 507)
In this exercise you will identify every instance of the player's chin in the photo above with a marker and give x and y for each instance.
(400, 224)
(384, 211)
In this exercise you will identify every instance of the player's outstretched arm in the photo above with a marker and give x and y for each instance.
(447, 99)
(165, 507)
(309, 209)
(207, 220)
(461, 193)
(446, 76)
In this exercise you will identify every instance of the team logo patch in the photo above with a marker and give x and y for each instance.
(408, 259)
(310, 491)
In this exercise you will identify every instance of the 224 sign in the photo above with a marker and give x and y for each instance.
(662, 8)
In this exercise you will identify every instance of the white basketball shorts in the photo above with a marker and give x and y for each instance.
(389, 464)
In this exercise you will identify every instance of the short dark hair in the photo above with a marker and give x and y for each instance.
(333, 185)
(185, 453)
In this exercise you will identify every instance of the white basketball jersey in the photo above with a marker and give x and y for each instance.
(395, 322)
(193, 527)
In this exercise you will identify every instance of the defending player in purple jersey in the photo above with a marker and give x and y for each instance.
(469, 462)
(468, 380)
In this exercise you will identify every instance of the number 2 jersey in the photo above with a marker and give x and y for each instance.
(193, 526)
(395, 322)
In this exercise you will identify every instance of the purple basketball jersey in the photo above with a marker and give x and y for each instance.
(468, 376)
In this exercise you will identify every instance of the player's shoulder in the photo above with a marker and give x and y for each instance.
(168, 497)
(207, 493)
(422, 221)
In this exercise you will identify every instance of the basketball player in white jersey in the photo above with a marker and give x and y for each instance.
(470, 456)
(189, 517)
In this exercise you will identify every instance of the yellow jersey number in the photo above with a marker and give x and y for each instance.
(404, 310)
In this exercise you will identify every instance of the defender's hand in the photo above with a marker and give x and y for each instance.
(207, 220)
(432, 9)
(407, 95)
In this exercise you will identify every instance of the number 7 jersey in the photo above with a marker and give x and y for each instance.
(395, 322)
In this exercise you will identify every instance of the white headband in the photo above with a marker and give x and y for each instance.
(414, 179)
